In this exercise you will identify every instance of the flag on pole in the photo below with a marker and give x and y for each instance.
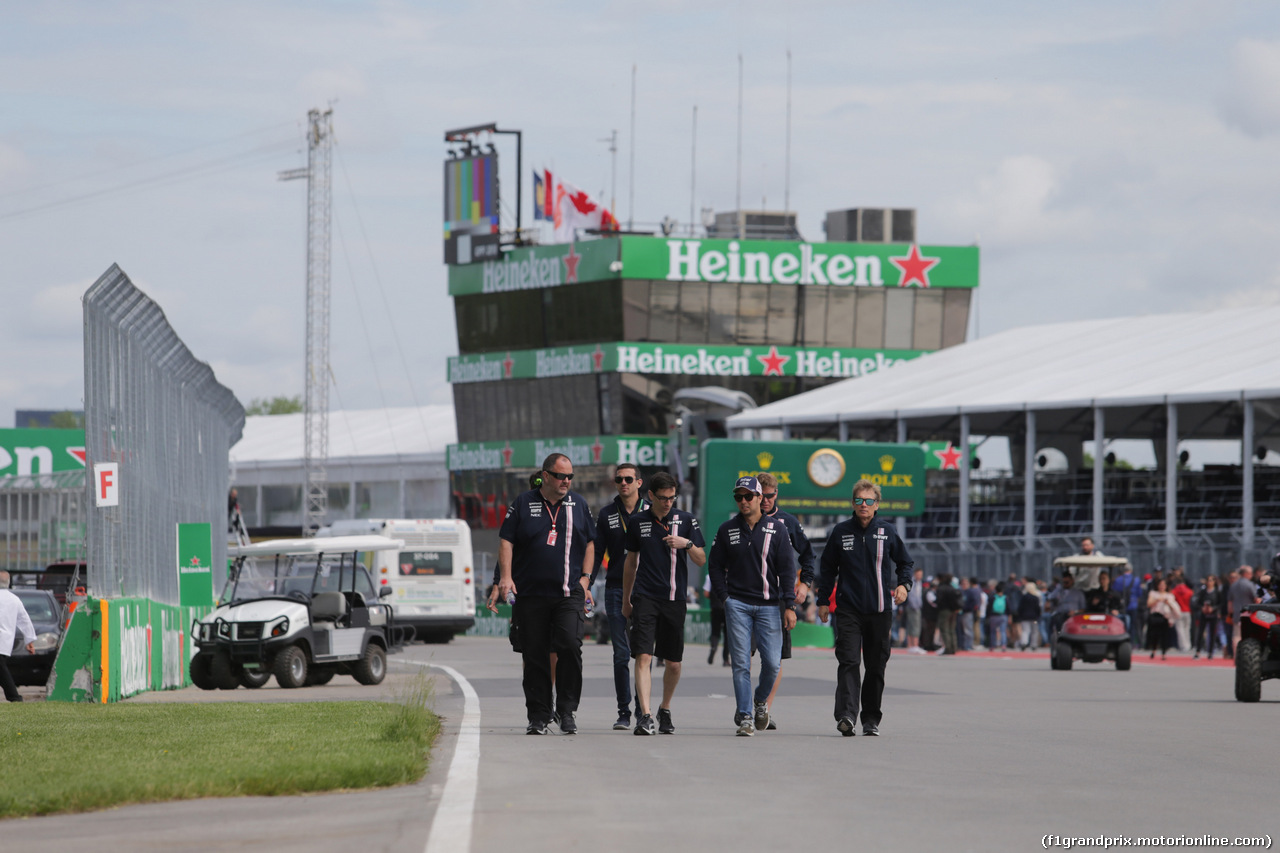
(540, 190)
(575, 209)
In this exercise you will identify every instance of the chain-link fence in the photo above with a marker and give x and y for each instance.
(152, 407)
(1201, 552)
(42, 520)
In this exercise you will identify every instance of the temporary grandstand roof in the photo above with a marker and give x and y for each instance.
(366, 435)
(1207, 363)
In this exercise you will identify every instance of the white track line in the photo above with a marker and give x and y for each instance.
(451, 829)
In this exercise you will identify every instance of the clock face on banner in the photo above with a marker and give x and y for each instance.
(826, 468)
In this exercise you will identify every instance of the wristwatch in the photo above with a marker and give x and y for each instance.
(688, 545)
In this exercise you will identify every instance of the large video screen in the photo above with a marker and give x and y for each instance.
(471, 208)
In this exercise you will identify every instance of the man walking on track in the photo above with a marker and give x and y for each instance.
(660, 542)
(857, 554)
(545, 556)
(611, 541)
(804, 556)
(753, 568)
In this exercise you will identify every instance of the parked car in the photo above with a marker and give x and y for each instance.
(28, 668)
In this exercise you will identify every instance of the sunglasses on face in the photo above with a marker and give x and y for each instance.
(744, 498)
(769, 497)
(865, 501)
(558, 476)
(666, 499)
(621, 480)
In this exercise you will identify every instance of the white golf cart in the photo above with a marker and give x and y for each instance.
(303, 610)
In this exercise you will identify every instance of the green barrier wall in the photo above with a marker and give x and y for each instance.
(116, 648)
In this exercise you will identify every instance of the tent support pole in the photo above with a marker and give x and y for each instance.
(902, 439)
(1246, 470)
(965, 463)
(1029, 485)
(1171, 476)
(1099, 468)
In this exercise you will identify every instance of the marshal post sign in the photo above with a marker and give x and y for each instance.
(813, 477)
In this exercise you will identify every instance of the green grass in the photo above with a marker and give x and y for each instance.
(68, 758)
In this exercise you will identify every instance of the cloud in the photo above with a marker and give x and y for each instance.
(1252, 101)
(1016, 203)
(57, 311)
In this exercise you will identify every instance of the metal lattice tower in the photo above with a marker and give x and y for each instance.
(315, 451)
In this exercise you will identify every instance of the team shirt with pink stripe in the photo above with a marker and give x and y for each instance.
(662, 572)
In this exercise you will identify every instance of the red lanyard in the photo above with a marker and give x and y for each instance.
(554, 534)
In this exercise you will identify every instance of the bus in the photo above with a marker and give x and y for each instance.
(433, 576)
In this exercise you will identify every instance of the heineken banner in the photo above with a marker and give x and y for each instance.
(733, 261)
(195, 564)
(686, 359)
(587, 450)
(813, 477)
(24, 452)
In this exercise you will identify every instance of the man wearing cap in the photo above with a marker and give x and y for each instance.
(855, 556)
(804, 556)
(611, 541)
(660, 542)
(545, 554)
(753, 569)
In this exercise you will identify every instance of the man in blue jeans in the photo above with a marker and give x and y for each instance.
(753, 569)
(611, 540)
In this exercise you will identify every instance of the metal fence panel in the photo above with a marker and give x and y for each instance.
(160, 413)
(42, 520)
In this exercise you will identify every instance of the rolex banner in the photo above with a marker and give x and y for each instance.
(813, 477)
(675, 359)
(195, 565)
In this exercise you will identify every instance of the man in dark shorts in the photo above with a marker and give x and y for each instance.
(660, 542)
(546, 550)
(804, 555)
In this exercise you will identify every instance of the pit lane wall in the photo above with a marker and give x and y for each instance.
(117, 648)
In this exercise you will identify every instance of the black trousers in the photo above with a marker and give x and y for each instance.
(718, 631)
(551, 624)
(865, 636)
(7, 682)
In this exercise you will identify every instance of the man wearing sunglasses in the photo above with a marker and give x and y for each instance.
(858, 554)
(660, 542)
(804, 556)
(753, 570)
(545, 554)
(611, 542)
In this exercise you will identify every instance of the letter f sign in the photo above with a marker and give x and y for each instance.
(106, 479)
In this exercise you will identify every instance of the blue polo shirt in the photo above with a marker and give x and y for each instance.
(662, 572)
(540, 565)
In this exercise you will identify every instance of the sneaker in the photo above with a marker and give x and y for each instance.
(747, 727)
(773, 723)
(845, 727)
(623, 723)
(645, 726)
(727, 663)
(665, 726)
(711, 658)
(555, 717)
(738, 717)
(870, 730)
(537, 729)
(762, 716)
(568, 725)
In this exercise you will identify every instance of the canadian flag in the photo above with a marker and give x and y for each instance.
(575, 209)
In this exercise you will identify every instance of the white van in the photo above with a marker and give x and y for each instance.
(433, 576)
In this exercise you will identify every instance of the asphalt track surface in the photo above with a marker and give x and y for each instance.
(976, 753)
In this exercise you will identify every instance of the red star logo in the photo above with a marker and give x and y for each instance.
(571, 266)
(773, 362)
(949, 457)
(598, 358)
(915, 268)
(78, 453)
(597, 450)
(507, 364)
(506, 455)
(195, 561)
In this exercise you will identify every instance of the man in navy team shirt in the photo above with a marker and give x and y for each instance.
(660, 541)
(753, 569)
(611, 541)
(545, 556)
(858, 554)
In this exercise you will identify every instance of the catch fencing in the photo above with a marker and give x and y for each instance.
(1201, 552)
(160, 413)
(42, 520)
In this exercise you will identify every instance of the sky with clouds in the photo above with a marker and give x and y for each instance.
(1110, 159)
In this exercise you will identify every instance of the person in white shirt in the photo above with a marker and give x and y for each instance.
(13, 620)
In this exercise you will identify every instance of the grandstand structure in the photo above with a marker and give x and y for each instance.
(1164, 378)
